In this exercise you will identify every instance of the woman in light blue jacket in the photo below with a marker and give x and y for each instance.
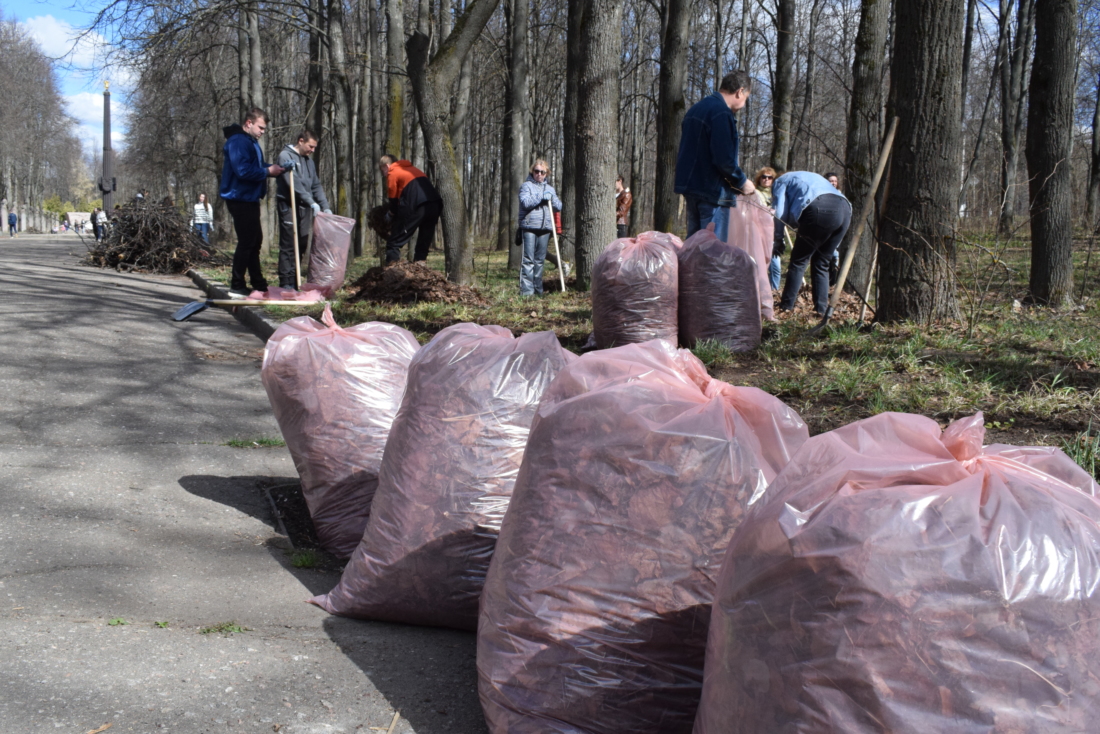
(535, 223)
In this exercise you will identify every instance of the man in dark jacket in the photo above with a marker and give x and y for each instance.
(708, 161)
(244, 183)
(309, 198)
(415, 207)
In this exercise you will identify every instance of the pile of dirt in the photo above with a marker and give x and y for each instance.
(405, 282)
(846, 310)
(151, 238)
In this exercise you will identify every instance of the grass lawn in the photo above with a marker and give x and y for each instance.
(1034, 372)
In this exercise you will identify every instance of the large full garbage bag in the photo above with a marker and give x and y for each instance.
(902, 579)
(447, 476)
(335, 393)
(634, 287)
(719, 296)
(328, 253)
(638, 468)
(752, 228)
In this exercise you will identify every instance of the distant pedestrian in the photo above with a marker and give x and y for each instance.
(536, 196)
(94, 221)
(821, 215)
(309, 197)
(203, 218)
(13, 222)
(623, 201)
(763, 181)
(415, 204)
(708, 160)
(833, 179)
(244, 183)
(104, 223)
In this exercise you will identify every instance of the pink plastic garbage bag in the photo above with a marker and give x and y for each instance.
(751, 228)
(328, 253)
(447, 477)
(638, 468)
(335, 393)
(719, 297)
(899, 578)
(634, 287)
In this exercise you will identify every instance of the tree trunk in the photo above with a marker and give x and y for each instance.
(597, 129)
(968, 46)
(341, 107)
(783, 92)
(574, 57)
(244, 59)
(864, 128)
(671, 107)
(432, 82)
(315, 79)
(516, 167)
(1049, 144)
(256, 89)
(1094, 168)
(917, 257)
(801, 141)
(1013, 90)
(395, 38)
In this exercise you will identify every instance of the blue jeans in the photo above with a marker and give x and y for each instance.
(701, 213)
(534, 253)
(775, 271)
(203, 230)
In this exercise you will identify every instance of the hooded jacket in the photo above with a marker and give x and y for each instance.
(244, 173)
(708, 156)
(532, 204)
(307, 184)
(407, 188)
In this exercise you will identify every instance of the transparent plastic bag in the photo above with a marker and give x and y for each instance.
(902, 579)
(634, 290)
(719, 297)
(638, 468)
(335, 393)
(328, 253)
(447, 477)
(752, 228)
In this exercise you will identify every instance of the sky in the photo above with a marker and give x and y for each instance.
(54, 25)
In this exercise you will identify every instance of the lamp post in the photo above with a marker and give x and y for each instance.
(107, 183)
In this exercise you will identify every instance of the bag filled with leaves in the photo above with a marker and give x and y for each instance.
(335, 393)
(328, 253)
(899, 578)
(638, 468)
(752, 228)
(634, 287)
(719, 295)
(447, 476)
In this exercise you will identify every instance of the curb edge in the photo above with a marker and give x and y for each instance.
(251, 318)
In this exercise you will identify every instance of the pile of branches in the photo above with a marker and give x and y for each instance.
(150, 238)
(406, 282)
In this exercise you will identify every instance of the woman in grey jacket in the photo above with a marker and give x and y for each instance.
(535, 223)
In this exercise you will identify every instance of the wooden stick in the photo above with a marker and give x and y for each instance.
(393, 724)
(294, 220)
(557, 252)
(265, 302)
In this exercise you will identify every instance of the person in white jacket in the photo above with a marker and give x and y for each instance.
(203, 218)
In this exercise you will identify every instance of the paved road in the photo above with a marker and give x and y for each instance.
(119, 501)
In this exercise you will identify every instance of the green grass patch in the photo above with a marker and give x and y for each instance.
(254, 443)
(306, 558)
(1084, 448)
(117, 622)
(225, 628)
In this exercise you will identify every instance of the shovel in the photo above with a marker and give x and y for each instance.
(196, 306)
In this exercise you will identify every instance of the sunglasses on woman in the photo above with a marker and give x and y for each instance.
(540, 171)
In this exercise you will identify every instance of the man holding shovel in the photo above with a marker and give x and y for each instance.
(309, 200)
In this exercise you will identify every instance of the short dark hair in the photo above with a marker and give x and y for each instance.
(620, 178)
(735, 80)
(830, 174)
(306, 134)
(254, 114)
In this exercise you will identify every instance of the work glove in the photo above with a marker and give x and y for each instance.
(328, 211)
(316, 207)
(547, 196)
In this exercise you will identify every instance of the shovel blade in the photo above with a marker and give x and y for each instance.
(190, 310)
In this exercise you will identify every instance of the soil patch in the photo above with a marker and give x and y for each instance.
(294, 513)
(405, 282)
(846, 310)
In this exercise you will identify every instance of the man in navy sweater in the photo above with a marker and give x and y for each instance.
(244, 183)
(708, 160)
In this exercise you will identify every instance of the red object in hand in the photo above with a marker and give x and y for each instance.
(557, 222)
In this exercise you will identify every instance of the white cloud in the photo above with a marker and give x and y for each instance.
(83, 53)
(87, 109)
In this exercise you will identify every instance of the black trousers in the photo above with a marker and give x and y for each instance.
(422, 221)
(286, 240)
(620, 231)
(250, 236)
(821, 227)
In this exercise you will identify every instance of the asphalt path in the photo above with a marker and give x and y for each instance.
(121, 507)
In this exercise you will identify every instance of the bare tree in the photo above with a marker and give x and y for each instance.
(671, 106)
(1013, 93)
(783, 91)
(1049, 143)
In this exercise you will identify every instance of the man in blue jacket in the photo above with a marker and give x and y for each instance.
(244, 183)
(708, 161)
(821, 215)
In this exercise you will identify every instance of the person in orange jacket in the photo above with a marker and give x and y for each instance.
(415, 206)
